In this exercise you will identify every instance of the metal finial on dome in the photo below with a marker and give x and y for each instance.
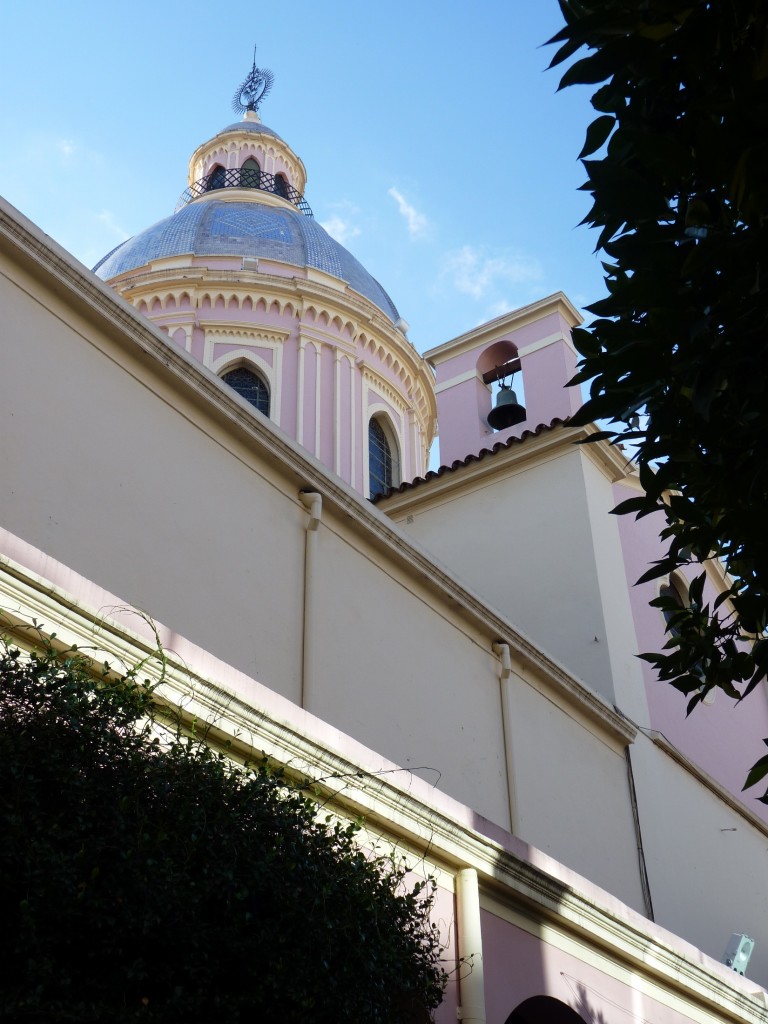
(254, 88)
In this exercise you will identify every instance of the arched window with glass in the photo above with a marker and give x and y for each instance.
(383, 462)
(250, 174)
(217, 178)
(250, 386)
(281, 186)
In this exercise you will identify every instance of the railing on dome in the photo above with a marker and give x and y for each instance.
(245, 178)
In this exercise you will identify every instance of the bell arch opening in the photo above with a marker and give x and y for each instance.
(501, 403)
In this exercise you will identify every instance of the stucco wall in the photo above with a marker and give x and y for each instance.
(725, 738)
(164, 488)
(523, 540)
(706, 865)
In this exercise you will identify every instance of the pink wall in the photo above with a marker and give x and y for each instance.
(322, 338)
(725, 739)
(464, 406)
(519, 965)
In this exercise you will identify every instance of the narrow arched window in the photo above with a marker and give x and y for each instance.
(382, 458)
(250, 174)
(217, 178)
(249, 386)
(281, 186)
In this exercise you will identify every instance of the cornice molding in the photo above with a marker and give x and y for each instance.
(505, 324)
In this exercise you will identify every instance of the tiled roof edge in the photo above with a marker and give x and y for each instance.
(433, 474)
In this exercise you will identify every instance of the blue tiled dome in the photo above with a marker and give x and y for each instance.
(216, 228)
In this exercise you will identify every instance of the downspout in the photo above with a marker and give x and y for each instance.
(502, 652)
(313, 502)
(470, 942)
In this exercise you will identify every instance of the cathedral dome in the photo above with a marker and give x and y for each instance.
(251, 230)
(244, 280)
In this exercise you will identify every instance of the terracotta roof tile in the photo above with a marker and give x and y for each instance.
(433, 474)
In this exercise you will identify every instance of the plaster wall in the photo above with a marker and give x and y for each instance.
(724, 738)
(620, 634)
(524, 541)
(714, 848)
(522, 958)
(572, 798)
(118, 481)
(136, 480)
(394, 671)
(541, 928)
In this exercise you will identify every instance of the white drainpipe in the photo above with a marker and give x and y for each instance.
(505, 666)
(313, 502)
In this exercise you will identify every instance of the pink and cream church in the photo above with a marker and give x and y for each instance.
(219, 441)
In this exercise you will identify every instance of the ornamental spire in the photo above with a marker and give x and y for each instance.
(253, 90)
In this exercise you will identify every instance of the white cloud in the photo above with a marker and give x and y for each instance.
(417, 222)
(496, 309)
(66, 147)
(109, 222)
(340, 229)
(474, 272)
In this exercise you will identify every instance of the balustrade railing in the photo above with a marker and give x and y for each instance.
(245, 178)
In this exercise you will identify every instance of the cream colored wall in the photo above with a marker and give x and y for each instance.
(132, 465)
(706, 862)
(620, 632)
(530, 925)
(111, 471)
(128, 463)
(398, 672)
(575, 790)
(524, 542)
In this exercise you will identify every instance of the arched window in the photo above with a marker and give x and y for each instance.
(281, 186)
(249, 386)
(250, 174)
(382, 458)
(217, 178)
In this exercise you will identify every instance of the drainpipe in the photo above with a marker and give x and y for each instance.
(313, 502)
(502, 652)
(470, 942)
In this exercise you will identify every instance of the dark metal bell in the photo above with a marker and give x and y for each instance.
(507, 411)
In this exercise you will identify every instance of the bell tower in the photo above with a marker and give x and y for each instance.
(532, 348)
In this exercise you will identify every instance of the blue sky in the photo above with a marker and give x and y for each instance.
(436, 146)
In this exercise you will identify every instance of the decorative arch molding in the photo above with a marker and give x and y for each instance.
(251, 360)
(380, 386)
(313, 311)
(245, 299)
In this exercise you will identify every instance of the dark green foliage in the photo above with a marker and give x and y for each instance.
(157, 882)
(677, 354)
